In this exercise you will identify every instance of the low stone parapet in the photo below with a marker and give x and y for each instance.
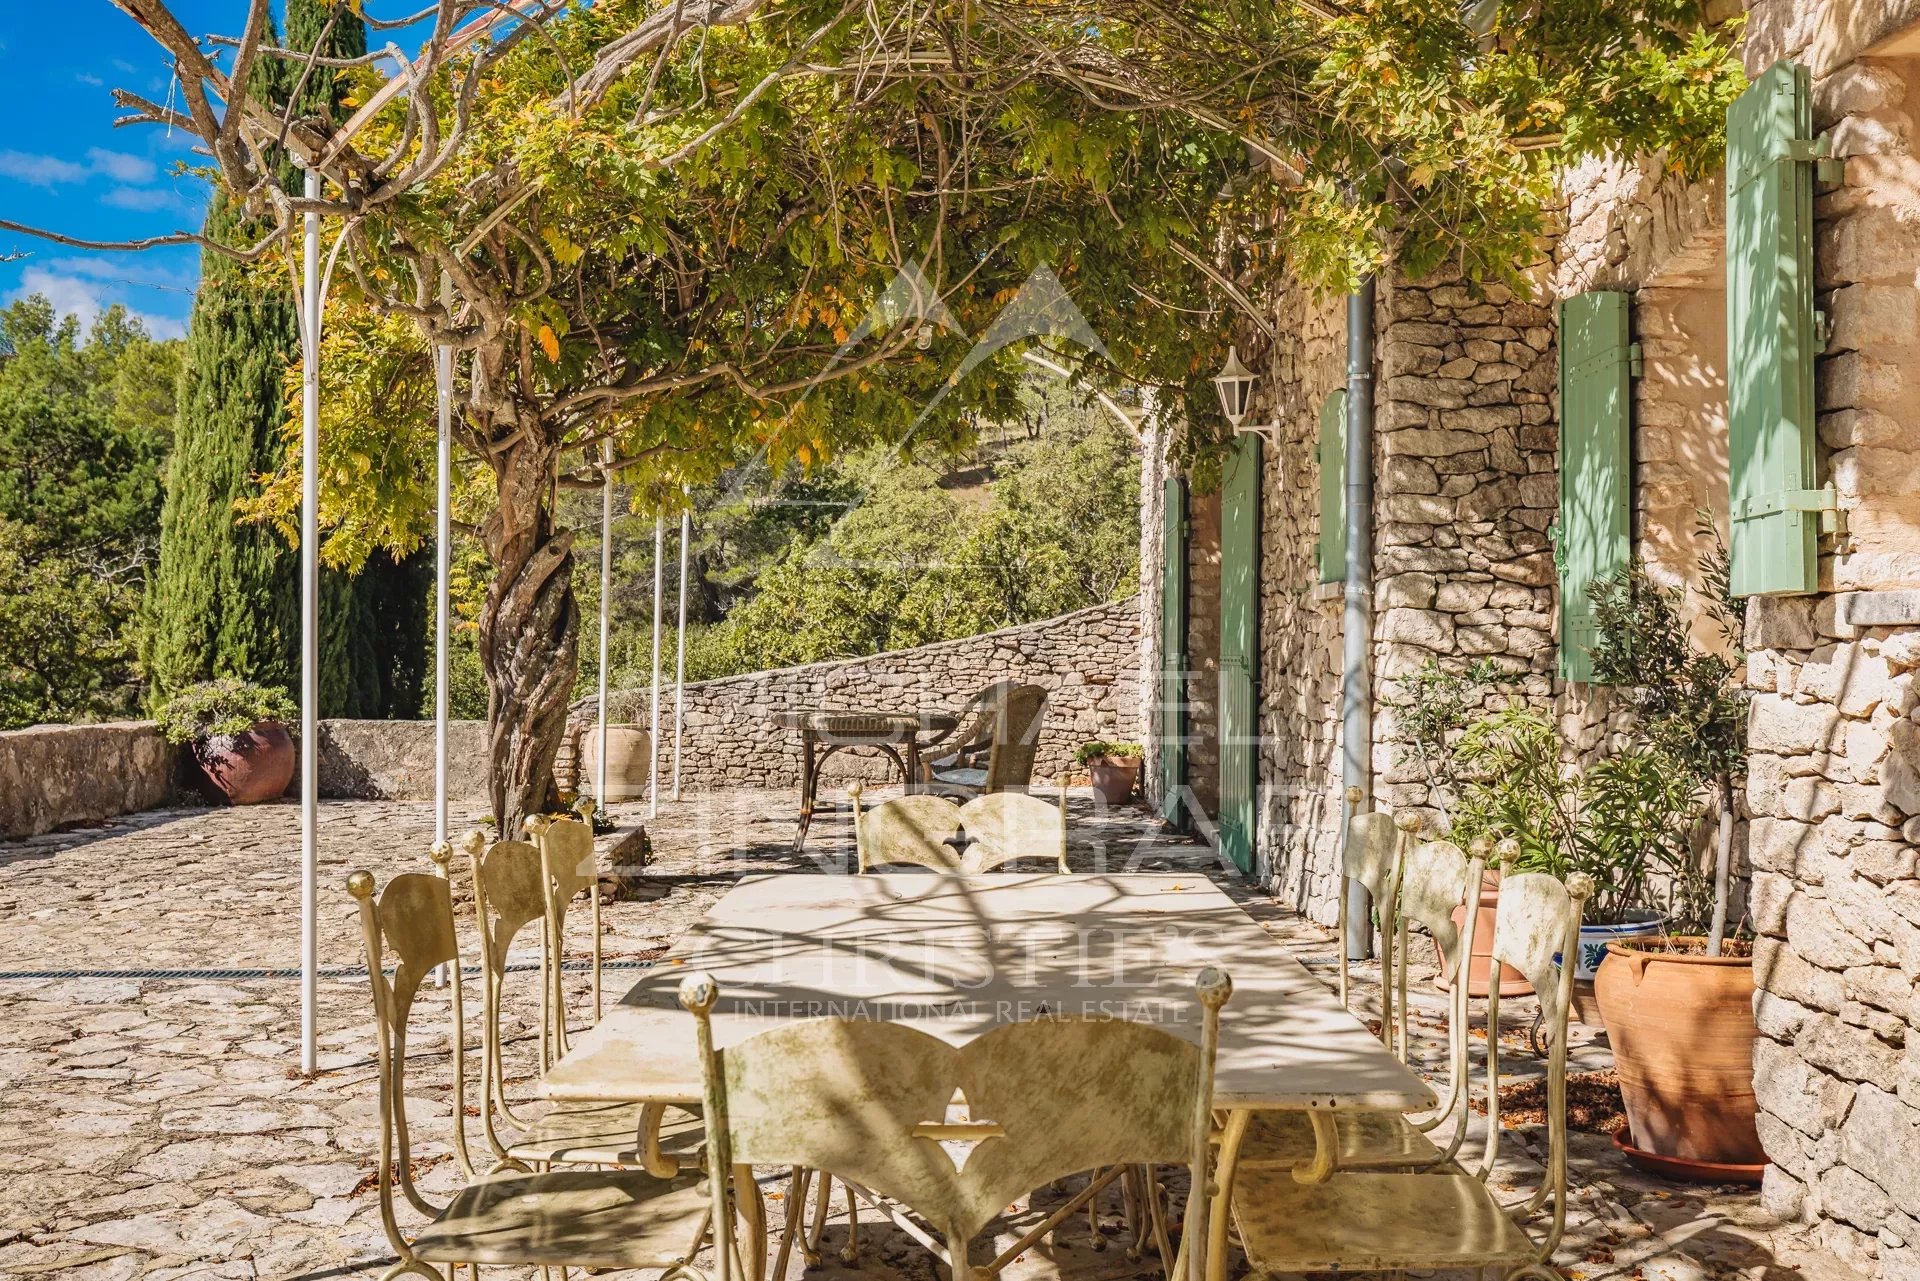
(57, 775)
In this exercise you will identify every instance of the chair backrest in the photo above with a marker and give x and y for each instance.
(915, 829)
(1537, 931)
(1002, 827)
(568, 860)
(979, 715)
(511, 891)
(412, 919)
(1370, 857)
(868, 1101)
(1016, 737)
(1436, 879)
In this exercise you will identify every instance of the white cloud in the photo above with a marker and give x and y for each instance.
(76, 296)
(87, 79)
(39, 171)
(140, 199)
(120, 166)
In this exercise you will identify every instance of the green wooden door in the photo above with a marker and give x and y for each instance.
(1772, 336)
(1171, 729)
(1239, 650)
(1594, 537)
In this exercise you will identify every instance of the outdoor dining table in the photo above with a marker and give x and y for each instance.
(822, 733)
(957, 956)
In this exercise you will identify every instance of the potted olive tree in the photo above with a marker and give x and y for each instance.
(1113, 767)
(1679, 1009)
(238, 737)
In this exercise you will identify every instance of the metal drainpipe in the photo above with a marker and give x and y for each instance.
(1356, 682)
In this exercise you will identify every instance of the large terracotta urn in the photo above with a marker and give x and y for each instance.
(1114, 777)
(627, 763)
(1682, 1029)
(249, 768)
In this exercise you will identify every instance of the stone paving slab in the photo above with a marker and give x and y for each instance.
(160, 1127)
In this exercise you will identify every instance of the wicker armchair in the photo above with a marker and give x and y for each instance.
(994, 749)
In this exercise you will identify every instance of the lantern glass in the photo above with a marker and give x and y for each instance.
(1234, 382)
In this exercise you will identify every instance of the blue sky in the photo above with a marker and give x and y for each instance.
(64, 166)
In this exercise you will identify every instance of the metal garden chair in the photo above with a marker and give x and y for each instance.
(917, 829)
(585, 1218)
(868, 1101)
(1434, 880)
(1005, 827)
(511, 890)
(1378, 1221)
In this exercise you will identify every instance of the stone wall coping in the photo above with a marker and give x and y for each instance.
(932, 648)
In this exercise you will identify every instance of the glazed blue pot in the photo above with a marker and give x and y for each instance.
(1594, 939)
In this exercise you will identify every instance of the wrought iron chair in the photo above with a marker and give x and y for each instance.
(1435, 879)
(1005, 827)
(1377, 1221)
(868, 1102)
(508, 895)
(917, 829)
(585, 1218)
(997, 749)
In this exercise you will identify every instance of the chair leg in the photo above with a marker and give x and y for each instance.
(797, 1186)
(851, 1253)
(810, 1244)
(1095, 1240)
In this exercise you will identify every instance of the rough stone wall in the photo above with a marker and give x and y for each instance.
(1299, 765)
(1465, 486)
(54, 775)
(1088, 661)
(393, 760)
(1835, 782)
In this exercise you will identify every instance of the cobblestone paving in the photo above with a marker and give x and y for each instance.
(159, 1126)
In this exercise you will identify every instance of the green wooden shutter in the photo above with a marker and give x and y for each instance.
(1772, 336)
(1239, 649)
(1333, 487)
(1594, 537)
(1173, 650)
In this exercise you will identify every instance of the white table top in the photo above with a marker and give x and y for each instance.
(958, 955)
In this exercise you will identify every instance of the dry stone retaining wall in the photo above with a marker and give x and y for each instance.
(1088, 661)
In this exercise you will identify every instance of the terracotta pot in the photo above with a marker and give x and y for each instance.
(252, 767)
(1512, 982)
(1115, 779)
(626, 763)
(1682, 1030)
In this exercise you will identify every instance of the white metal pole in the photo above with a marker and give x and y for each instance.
(606, 588)
(680, 655)
(442, 561)
(309, 630)
(653, 734)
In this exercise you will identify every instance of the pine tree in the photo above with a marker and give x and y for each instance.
(225, 599)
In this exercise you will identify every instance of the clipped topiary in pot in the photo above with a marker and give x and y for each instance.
(238, 737)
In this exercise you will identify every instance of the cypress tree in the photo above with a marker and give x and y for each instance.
(225, 598)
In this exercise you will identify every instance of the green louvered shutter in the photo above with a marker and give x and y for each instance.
(1771, 336)
(1594, 537)
(1239, 649)
(1172, 726)
(1333, 487)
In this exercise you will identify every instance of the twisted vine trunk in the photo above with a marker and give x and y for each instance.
(529, 635)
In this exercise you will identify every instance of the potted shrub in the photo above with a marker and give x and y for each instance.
(1679, 1010)
(1113, 767)
(1618, 821)
(237, 735)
